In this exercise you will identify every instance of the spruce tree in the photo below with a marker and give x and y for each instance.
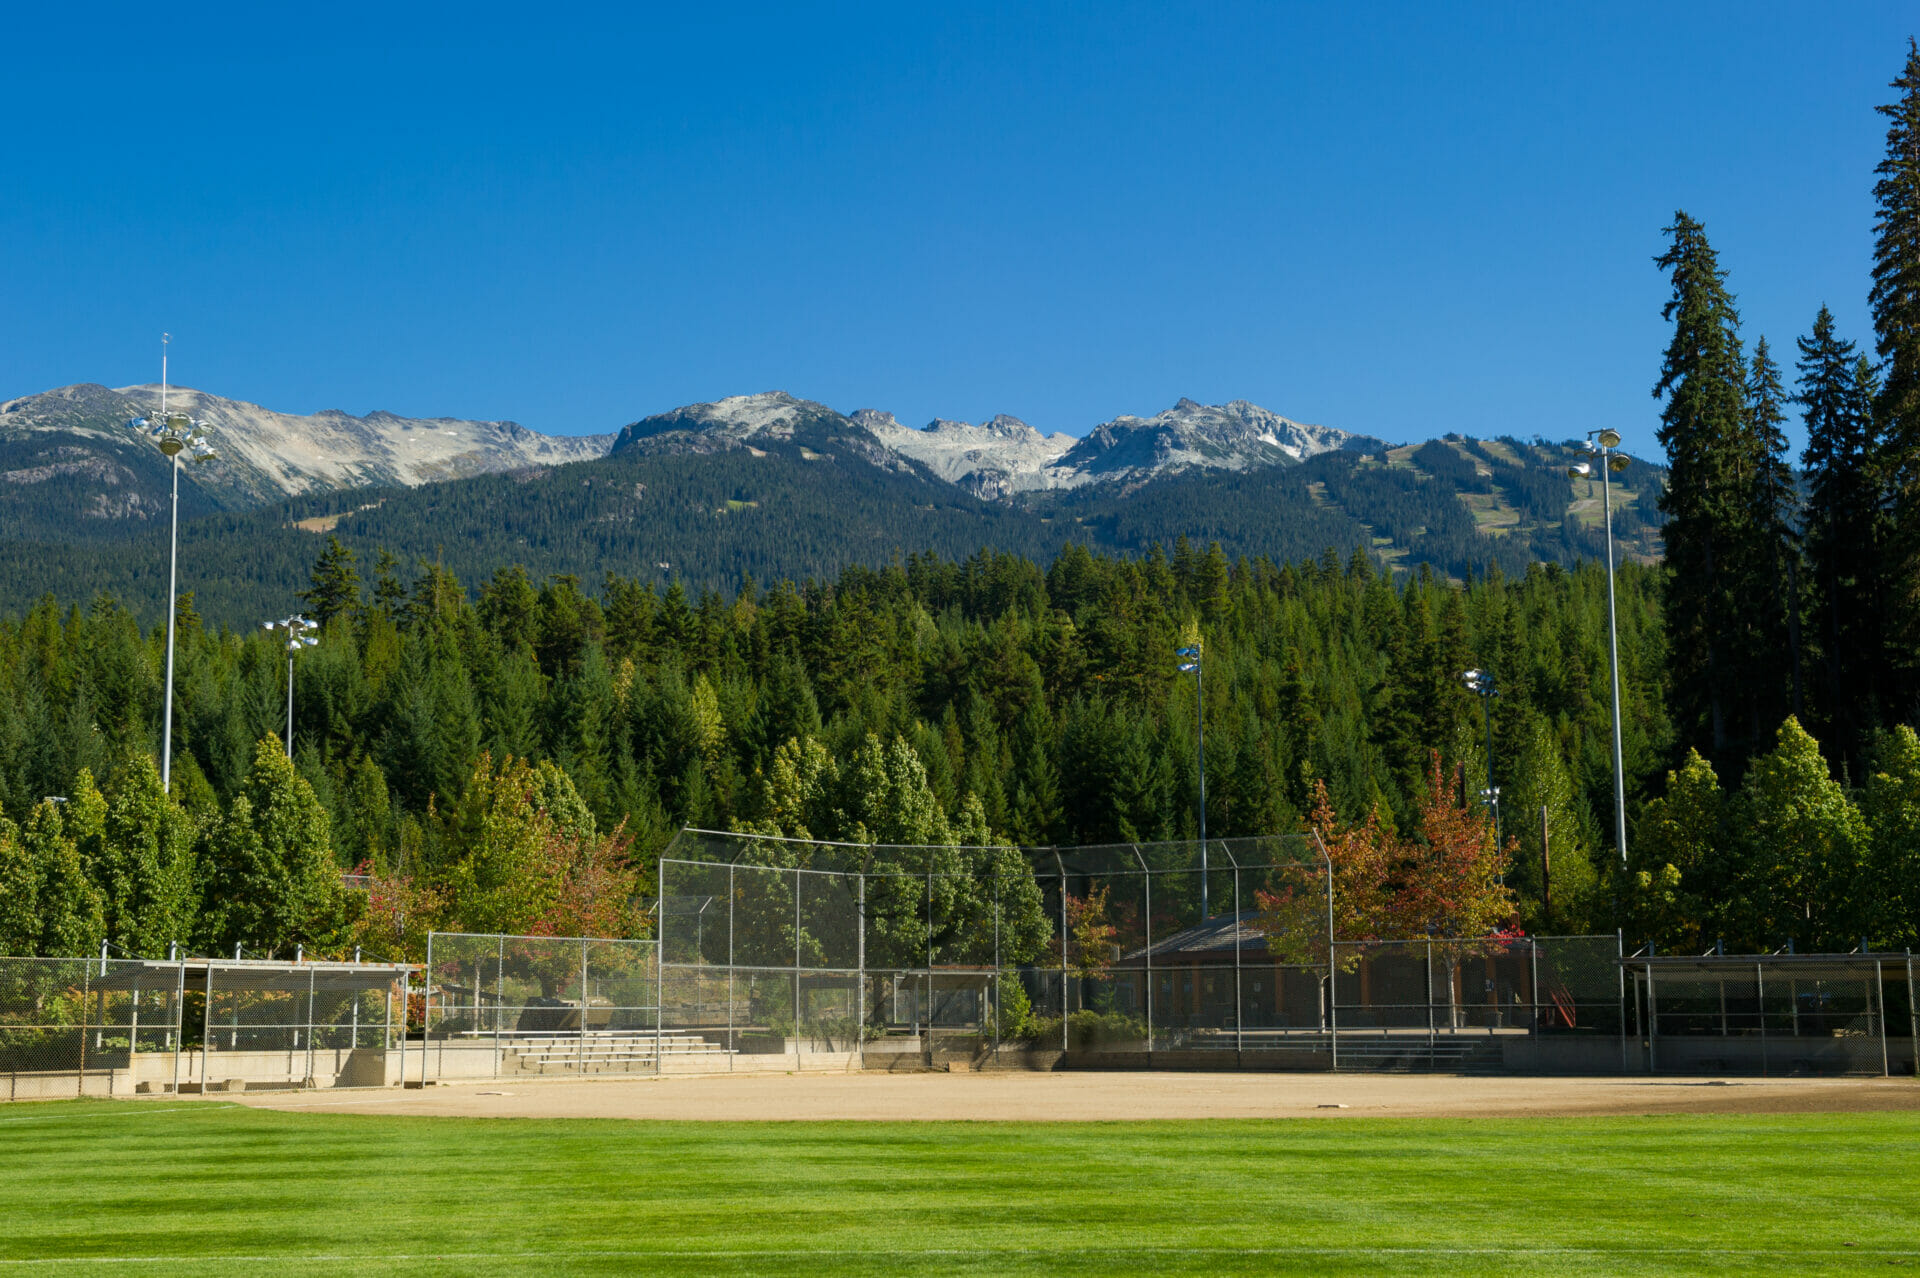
(1771, 571)
(1843, 530)
(1895, 300)
(335, 585)
(1703, 427)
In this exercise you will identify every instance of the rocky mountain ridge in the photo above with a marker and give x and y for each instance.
(1004, 456)
(79, 433)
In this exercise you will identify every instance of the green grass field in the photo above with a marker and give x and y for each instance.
(207, 1189)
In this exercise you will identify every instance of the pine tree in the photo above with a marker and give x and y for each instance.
(1770, 572)
(1895, 300)
(1843, 531)
(388, 593)
(1704, 430)
(335, 588)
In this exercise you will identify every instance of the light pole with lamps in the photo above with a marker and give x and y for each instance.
(296, 628)
(1481, 684)
(1190, 664)
(174, 433)
(1601, 455)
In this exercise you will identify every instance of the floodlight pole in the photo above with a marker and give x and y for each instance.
(1481, 683)
(296, 628)
(1613, 661)
(173, 577)
(1194, 666)
(173, 608)
(1601, 443)
(173, 435)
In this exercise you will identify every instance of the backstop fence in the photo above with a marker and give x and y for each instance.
(1135, 954)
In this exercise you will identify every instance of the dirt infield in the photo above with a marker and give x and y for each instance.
(1100, 1097)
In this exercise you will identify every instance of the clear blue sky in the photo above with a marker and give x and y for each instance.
(1402, 220)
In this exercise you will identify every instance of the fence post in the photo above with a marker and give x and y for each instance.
(1433, 1046)
(1146, 878)
(996, 966)
(206, 1030)
(386, 1034)
(312, 980)
(1653, 1021)
(1060, 865)
(581, 1052)
(1333, 963)
(929, 981)
(499, 1001)
(730, 1044)
(1620, 967)
(1533, 987)
(406, 1000)
(179, 1021)
(1239, 998)
(1880, 992)
(1913, 1017)
(1760, 994)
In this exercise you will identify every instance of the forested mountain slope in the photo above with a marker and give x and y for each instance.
(812, 501)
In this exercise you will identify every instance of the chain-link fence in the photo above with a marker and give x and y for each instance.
(896, 955)
(1499, 1002)
(305, 1025)
(123, 1026)
(1777, 1014)
(544, 1005)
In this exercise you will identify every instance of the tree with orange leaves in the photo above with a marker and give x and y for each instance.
(1445, 883)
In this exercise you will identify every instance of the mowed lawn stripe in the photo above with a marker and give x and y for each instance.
(1705, 1194)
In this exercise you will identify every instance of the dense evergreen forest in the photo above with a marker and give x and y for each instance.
(1040, 705)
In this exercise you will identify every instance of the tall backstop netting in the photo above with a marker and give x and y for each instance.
(902, 955)
(1128, 954)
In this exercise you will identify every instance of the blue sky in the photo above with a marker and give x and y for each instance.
(1401, 220)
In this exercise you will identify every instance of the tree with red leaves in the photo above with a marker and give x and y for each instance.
(1445, 883)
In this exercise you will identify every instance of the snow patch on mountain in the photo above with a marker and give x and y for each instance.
(263, 455)
(1234, 436)
(996, 458)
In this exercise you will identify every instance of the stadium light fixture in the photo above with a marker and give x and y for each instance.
(173, 433)
(1481, 684)
(1192, 666)
(295, 628)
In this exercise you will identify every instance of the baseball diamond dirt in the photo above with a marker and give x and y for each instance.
(1091, 1096)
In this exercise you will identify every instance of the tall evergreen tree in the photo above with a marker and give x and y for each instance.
(1842, 530)
(270, 878)
(1704, 430)
(335, 588)
(1895, 299)
(1771, 571)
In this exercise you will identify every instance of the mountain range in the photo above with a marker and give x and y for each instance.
(68, 451)
(767, 485)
